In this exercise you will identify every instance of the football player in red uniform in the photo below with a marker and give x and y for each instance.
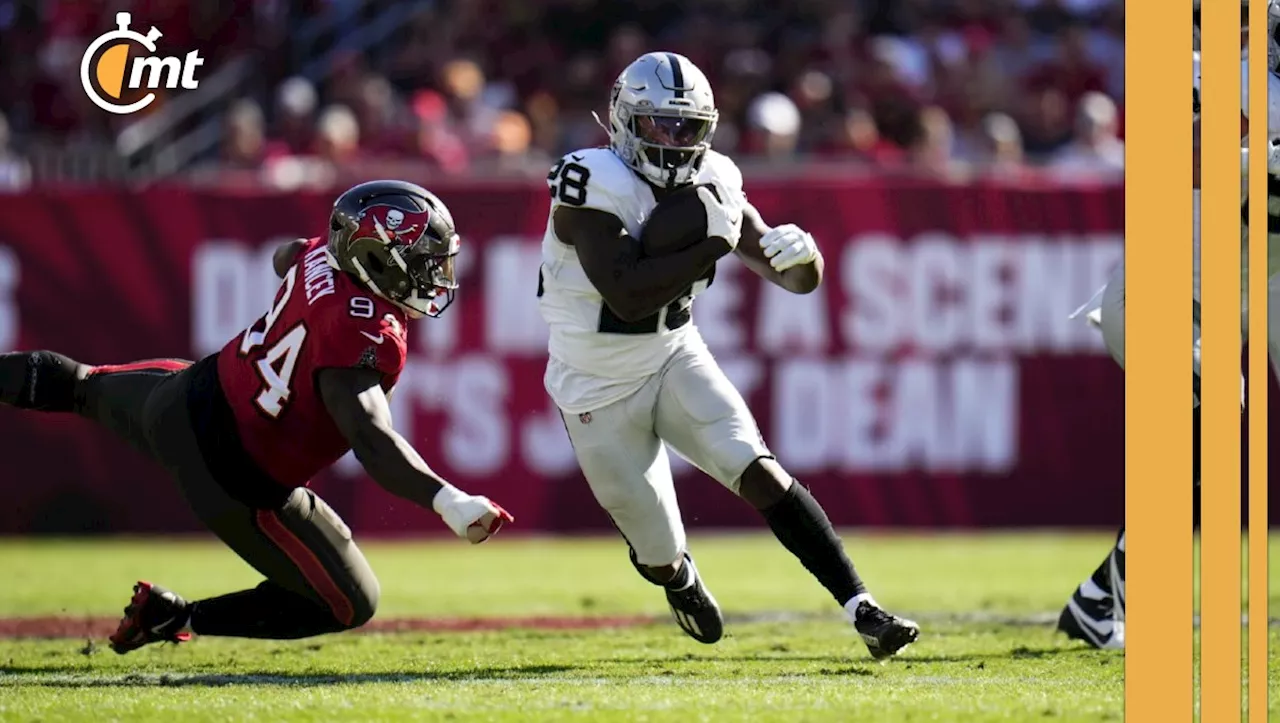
(243, 431)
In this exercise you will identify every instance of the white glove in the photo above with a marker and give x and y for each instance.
(724, 217)
(788, 245)
(470, 516)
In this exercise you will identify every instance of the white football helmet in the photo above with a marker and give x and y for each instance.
(1273, 80)
(662, 116)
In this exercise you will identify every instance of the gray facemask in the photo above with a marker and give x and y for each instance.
(1273, 48)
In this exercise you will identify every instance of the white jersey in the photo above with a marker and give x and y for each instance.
(1244, 184)
(1106, 308)
(596, 358)
(1273, 183)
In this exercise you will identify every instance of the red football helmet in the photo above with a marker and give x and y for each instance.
(399, 240)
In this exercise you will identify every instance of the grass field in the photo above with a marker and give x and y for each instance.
(590, 642)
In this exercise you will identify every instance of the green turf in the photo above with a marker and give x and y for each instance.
(980, 659)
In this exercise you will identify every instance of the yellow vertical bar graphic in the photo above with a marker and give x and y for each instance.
(1258, 368)
(1220, 598)
(1158, 633)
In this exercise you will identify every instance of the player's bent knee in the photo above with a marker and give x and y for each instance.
(764, 483)
(1113, 315)
(363, 611)
(364, 604)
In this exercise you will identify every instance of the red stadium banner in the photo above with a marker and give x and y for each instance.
(935, 380)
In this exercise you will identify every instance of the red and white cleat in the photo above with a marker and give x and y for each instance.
(154, 615)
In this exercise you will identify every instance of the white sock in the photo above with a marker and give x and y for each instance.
(851, 607)
(1117, 635)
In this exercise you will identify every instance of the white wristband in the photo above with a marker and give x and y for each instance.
(447, 497)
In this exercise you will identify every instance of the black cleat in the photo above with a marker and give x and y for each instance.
(1092, 622)
(695, 610)
(154, 615)
(885, 634)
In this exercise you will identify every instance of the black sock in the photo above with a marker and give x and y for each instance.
(682, 578)
(677, 582)
(799, 523)
(267, 611)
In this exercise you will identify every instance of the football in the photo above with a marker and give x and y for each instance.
(677, 222)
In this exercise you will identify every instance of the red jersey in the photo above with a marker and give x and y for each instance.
(320, 319)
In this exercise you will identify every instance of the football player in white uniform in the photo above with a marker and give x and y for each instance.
(1273, 190)
(1095, 612)
(628, 368)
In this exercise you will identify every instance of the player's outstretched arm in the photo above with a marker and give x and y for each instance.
(633, 286)
(358, 405)
(793, 250)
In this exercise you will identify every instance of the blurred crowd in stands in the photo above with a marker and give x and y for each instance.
(504, 86)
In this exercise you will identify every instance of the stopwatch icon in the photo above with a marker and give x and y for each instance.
(118, 36)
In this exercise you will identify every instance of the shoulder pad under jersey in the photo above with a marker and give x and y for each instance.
(353, 328)
(591, 178)
(720, 168)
